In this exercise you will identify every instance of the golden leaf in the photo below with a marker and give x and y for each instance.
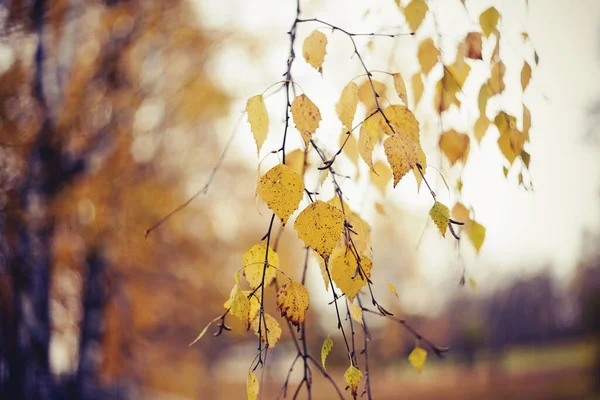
(484, 95)
(488, 20)
(254, 303)
(252, 386)
(460, 212)
(273, 333)
(525, 75)
(346, 106)
(314, 49)
(319, 226)
(253, 263)
(292, 301)
(474, 45)
(476, 234)
(381, 175)
(417, 358)
(323, 270)
(258, 119)
(418, 87)
(445, 92)
(392, 289)
(367, 139)
(306, 116)
(496, 81)
(526, 122)
(440, 214)
(480, 128)
(400, 87)
(296, 161)
(415, 13)
(351, 147)
(281, 188)
(356, 313)
(402, 154)
(428, 55)
(325, 350)
(352, 378)
(366, 95)
(240, 306)
(455, 146)
(402, 120)
(344, 271)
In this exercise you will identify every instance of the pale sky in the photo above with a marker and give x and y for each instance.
(525, 231)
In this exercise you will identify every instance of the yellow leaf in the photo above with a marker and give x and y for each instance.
(367, 139)
(402, 154)
(417, 358)
(352, 378)
(258, 119)
(325, 350)
(314, 49)
(281, 188)
(392, 289)
(525, 75)
(356, 313)
(351, 147)
(296, 161)
(526, 122)
(474, 45)
(402, 120)
(381, 175)
(488, 20)
(322, 269)
(476, 234)
(460, 212)
(415, 13)
(473, 284)
(254, 303)
(292, 301)
(428, 55)
(240, 306)
(418, 87)
(323, 176)
(366, 95)
(445, 93)
(517, 140)
(306, 116)
(346, 106)
(455, 146)
(319, 226)
(484, 95)
(400, 87)
(252, 386)
(273, 333)
(380, 208)
(254, 264)
(440, 214)
(480, 128)
(496, 81)
(343, 271)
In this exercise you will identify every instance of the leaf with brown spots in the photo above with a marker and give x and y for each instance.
(292, 300)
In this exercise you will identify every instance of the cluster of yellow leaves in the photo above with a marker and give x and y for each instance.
(292, 301)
